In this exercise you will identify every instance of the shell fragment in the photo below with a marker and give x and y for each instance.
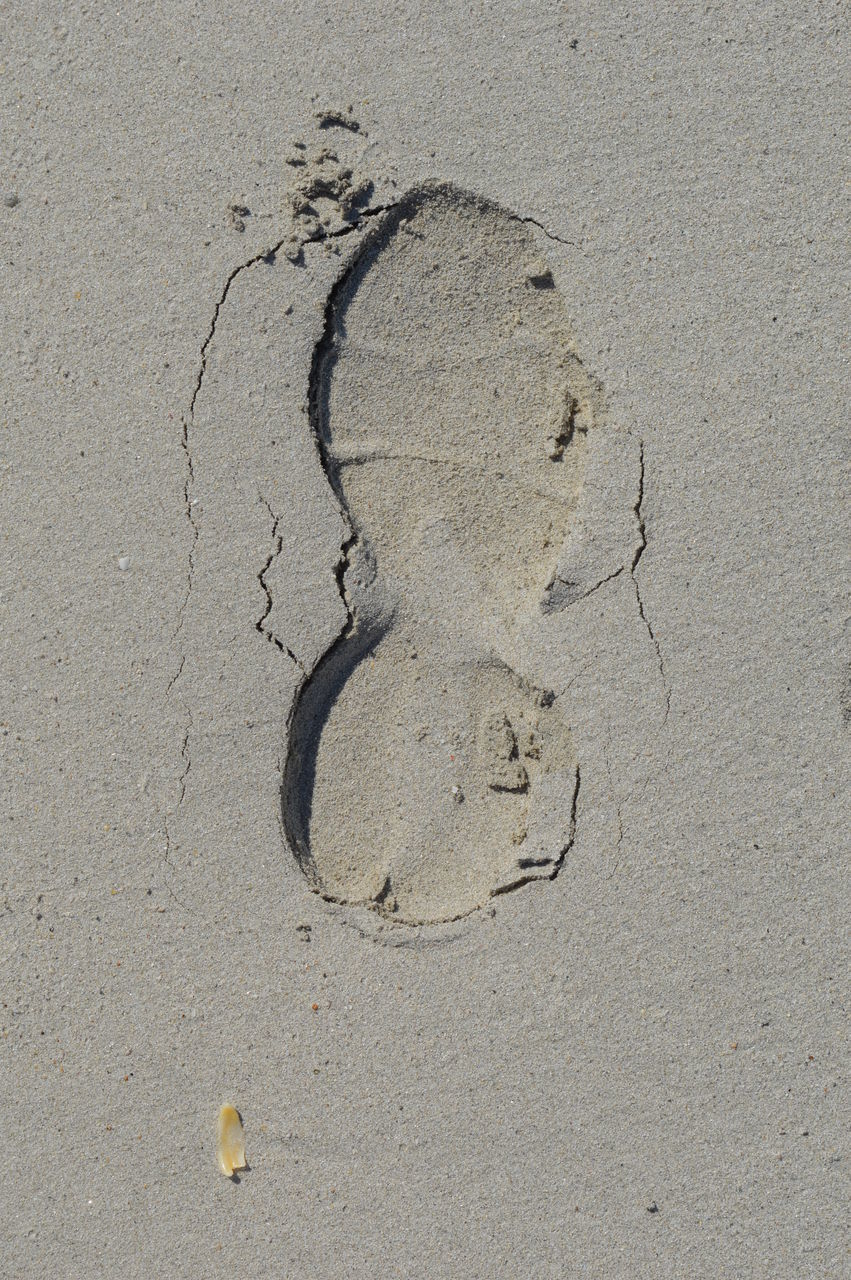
(230, 1147)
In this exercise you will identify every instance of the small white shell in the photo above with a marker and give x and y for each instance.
(230, 1147)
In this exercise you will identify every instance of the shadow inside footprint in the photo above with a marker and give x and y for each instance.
(424, 773)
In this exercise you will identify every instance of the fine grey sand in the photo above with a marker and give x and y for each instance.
(425, 648)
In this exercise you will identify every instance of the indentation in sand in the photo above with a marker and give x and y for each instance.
(424, 772)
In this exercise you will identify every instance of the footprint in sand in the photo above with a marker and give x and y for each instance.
(424, 773)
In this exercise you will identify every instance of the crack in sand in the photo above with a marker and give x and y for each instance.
(632, 566)
(267, 255)
(187, 422)
(551, 235)
(260, 624)
(261, 577)
(590, 591)
(639, 552)
(187, 765)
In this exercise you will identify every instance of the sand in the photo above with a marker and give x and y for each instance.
(426, 664)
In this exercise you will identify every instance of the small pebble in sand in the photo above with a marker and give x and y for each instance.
(230, 1147)
(124, 563)
(10, 199)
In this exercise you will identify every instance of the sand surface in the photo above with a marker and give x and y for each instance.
(425, 649)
